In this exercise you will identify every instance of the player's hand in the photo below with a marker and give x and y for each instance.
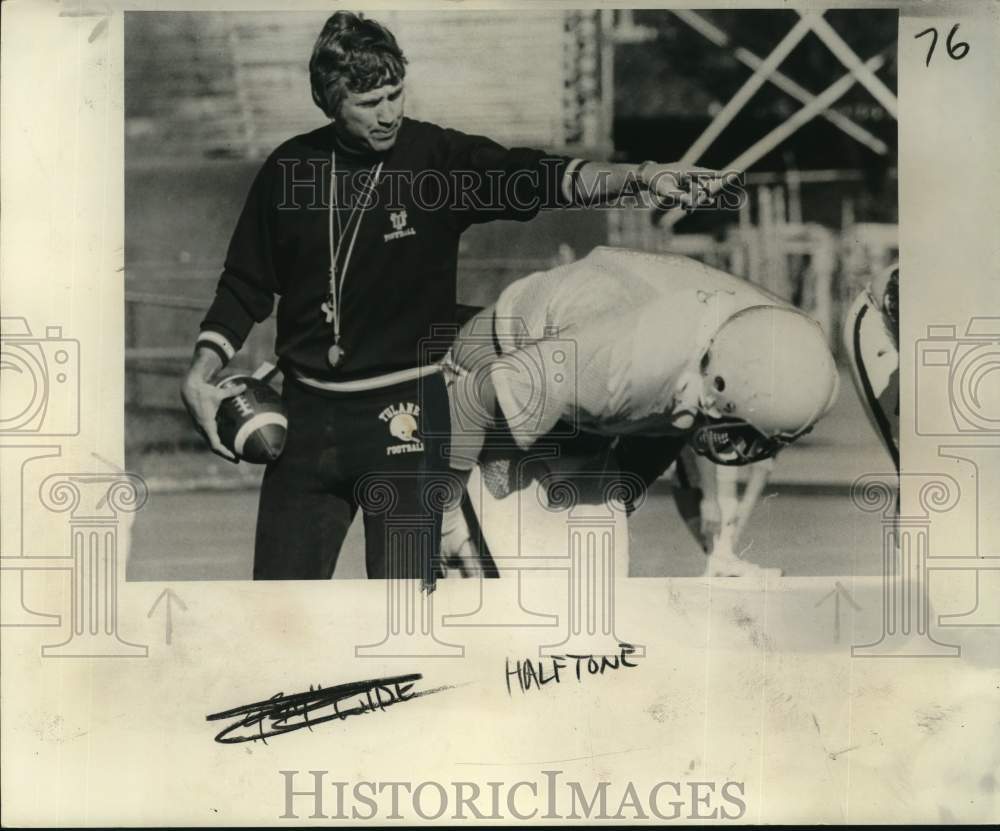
(202, 400)
(677, 185)
(457, 548)
(710, 523)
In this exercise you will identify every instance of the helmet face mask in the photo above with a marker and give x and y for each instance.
(720, 437)
(728, 441)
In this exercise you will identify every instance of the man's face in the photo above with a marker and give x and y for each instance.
(370, 120)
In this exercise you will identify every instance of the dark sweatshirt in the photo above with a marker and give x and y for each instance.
(400, 285)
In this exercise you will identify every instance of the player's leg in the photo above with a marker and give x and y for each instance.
(305, 508)
(695, 499)
(648, 457)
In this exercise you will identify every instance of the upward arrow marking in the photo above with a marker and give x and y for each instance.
(171, 597)
(836, 593)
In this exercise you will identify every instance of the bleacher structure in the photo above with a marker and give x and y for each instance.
(235, 84)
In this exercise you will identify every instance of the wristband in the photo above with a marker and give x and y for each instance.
(218, 343)
(570, 189)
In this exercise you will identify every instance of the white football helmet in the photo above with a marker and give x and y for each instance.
(767, 377)
(403, 426)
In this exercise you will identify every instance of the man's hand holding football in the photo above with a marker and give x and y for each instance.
(202, 399)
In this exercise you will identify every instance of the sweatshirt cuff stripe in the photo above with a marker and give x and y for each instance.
(218, 343)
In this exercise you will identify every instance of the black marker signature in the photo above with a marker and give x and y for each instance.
(284, 713)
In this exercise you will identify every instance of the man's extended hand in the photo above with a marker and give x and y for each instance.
(677, 185)
(202, 399)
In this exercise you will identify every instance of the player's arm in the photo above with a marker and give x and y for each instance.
(471, 394)
(760, 474)
(522, 379)
(244, 296)
(710, 511)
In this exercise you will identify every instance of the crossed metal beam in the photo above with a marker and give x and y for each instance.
(859, 71)
(714, 34)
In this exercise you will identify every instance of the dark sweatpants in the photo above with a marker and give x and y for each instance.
(351, 450)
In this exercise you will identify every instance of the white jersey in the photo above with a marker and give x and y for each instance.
(608, 342)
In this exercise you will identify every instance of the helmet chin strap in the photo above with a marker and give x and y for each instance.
(687, 398)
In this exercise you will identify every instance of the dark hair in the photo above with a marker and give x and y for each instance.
(352, 53)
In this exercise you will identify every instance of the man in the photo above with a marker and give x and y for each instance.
(871, 340)
(356, 226)
(623, 359)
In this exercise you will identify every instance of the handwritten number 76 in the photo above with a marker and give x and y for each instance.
(956, 50)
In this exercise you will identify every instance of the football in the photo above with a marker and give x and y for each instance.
(252, 424)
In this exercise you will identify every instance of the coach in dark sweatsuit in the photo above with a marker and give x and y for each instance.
(355, 228)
